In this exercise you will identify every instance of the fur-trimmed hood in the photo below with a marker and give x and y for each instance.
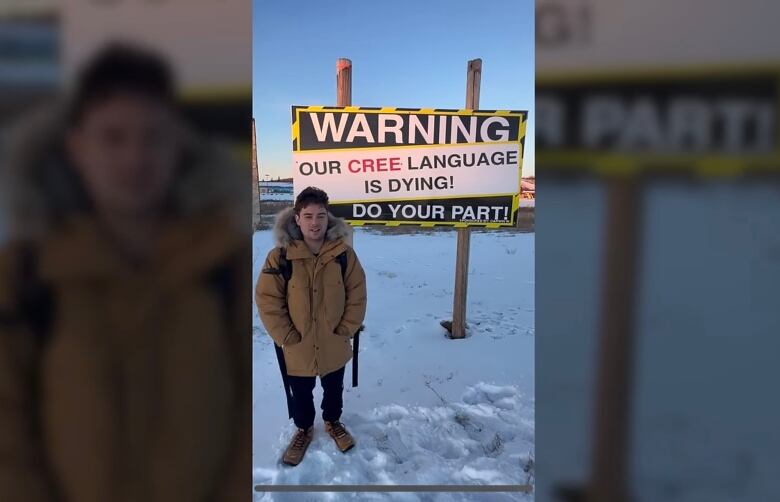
(286, 230)
(40, 190)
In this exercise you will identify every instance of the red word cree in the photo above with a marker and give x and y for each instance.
(380, 165)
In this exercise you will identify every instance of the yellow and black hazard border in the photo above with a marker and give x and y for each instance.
(516, 136)
(510, 202)
(699, 81)
(221, 112)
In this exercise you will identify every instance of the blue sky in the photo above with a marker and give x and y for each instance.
(405, 53)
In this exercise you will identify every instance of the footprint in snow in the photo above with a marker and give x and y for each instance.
(489, 394)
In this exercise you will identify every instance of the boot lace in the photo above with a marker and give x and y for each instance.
(300, 439)
(338, 429)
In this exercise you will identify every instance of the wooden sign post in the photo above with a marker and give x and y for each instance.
(473, 77)
(609, 475)
(255, 182)
(344, 82)
(344, 98)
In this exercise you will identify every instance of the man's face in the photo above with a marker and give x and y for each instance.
(313, 220)
(125, 149)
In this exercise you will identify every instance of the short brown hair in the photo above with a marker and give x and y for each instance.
(119, 68)
(310, 195)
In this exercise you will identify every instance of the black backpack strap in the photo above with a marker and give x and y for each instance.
(227, 280)
(285, 266)
(355, 352)
(36, 301)
(284, 269)
(285, 379)
(342, 259)
(35, 310)
(222, 282)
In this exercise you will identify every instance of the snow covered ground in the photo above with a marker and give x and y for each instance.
(428, 410)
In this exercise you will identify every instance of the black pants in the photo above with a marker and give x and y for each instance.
(303, 398)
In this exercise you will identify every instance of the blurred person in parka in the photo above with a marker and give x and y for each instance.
(125, 366)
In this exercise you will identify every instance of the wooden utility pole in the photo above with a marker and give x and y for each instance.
(473, 77)
(343, 82)
(255, 182)
(609, 474)
(344, 98)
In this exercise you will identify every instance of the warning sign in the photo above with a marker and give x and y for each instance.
(704, 121)
(412, 165)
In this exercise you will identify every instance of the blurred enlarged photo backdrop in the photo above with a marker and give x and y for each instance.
(125, 370)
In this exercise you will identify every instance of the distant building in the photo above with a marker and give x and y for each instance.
(528, 192)
(281, 190)
(528, 188)
(29, 57)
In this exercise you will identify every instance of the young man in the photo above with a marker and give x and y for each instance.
(125, 368)
(313, 315)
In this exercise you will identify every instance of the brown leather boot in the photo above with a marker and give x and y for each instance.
(298, 444)
(339, 434)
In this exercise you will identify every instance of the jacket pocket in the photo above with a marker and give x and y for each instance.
(335, 298)
(297, 357)
(298, 304)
